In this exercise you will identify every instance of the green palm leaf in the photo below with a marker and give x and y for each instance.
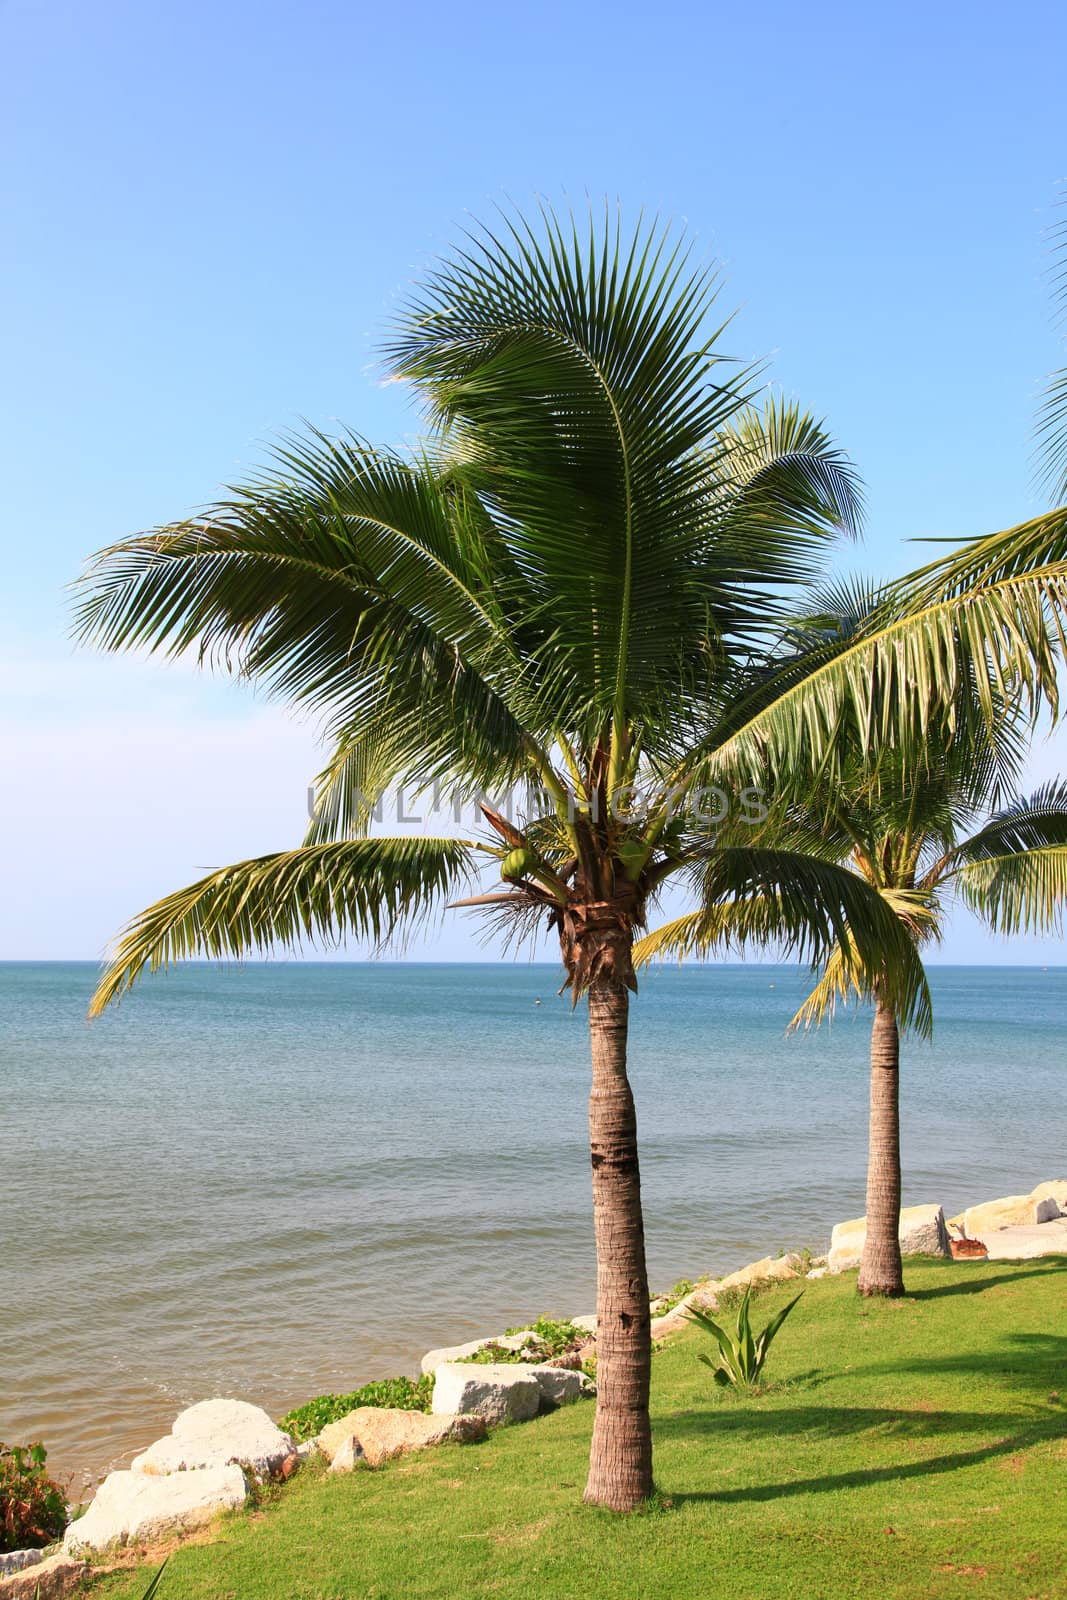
(1018, 893)
(805, 906)
(365, 887)
(1052, 417)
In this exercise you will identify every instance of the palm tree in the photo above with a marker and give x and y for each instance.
(923, 827)
(576, 584)
(925, 835)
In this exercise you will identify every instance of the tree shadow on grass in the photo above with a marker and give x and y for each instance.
(982, 1275)
(845, 1422)
(1035, 1361)
(867, 1477)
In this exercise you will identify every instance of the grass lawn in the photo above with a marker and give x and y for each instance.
(914, 1448)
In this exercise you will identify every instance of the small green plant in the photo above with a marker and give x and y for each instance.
(492, 1353)
(547, 1338)
(407, 1394)
(556, 1337)
(741, 1354)
(33, 1507)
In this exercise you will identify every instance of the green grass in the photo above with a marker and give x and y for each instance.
(912, 1449)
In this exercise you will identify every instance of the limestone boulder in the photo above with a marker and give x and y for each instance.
(703, 1297)
(1054, 1189)
(558, 1385)
(586, 1323)
(216, 1433)
(766, 1267)
(1010, 1211)
(497, 1392)
(922, 1232)
(348, 1456)
(137, 1507)
(49, 1579)
(377, 1433)
(16, 1560)
(462, 1352)
(671, 1322)
(1026, 1243)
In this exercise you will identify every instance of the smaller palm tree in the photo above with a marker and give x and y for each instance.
(922, 823)
(925, 829)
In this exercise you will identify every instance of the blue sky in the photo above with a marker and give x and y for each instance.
(211, 210)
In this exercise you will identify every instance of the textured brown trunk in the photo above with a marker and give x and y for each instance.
(880, 1266)
(620, 1461)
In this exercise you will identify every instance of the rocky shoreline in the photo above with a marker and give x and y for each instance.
(220, 1449)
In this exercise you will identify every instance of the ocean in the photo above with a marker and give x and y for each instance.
(280, 1179)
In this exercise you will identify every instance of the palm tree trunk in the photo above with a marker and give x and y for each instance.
(620, 1460)
(880, 1266)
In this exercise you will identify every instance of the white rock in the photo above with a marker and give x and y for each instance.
(557, 1384)
(19, 1560)
(460, 1352)
(500, 1392)
(586, 1323)
(378, 1433)
(136, 1507)
(1026, 1242)
(765, 1267)
(922, 1233)
(214, 1434)
(47, 1578)
(1010, 1211)
(818, 1272)
(348, 1456)
(675, 1320)
(1054, 1189)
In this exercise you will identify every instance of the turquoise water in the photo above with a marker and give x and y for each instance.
(281, 1179)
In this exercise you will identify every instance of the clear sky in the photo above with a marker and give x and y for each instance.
(209, 210)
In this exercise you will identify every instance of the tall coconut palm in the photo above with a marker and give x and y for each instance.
(573, 586)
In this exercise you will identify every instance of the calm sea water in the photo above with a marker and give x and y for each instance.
(281, 1179)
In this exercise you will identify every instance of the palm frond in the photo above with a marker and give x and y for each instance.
(1020, 892)
(573, 370)
(946, 651)
(730, 926)
(348, 582)
(1028, 822)
(574, 373)
(805, 907)
(779, 472)
(842, 979)
(1051, 429)
(368, 888)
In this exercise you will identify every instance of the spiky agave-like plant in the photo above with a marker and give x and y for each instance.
(742, 1353)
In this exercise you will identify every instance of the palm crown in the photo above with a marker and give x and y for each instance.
(576, 582)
